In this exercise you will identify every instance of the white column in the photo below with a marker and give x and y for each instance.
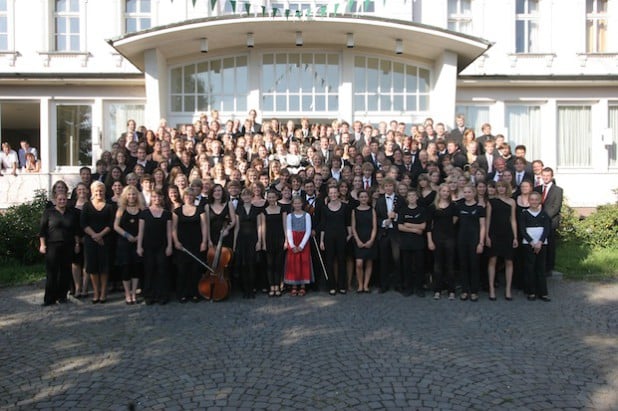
(346, 93)
(443, 95)
(549, 129)
(253, 85)
(97, 130)
(155, 76)
(47, 150)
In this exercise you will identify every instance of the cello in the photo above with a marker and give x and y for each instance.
(214, 285)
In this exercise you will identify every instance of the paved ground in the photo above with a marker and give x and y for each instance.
(354, 351)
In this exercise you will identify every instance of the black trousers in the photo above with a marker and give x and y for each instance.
(389, 253)
(335, 252)
(469, 266)
(413, 269)
(535, 264)
(58, 271)
(444, 265)
(156, 274)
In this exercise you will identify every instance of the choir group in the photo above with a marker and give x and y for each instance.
(300, 207)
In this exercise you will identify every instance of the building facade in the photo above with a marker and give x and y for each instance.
(542, 72)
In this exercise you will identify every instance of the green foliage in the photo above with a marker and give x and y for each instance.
(568, 229)
(19, 227)
(19, 274)
(600, 229)
(579, 261)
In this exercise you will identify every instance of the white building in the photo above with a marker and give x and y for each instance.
(542, 72)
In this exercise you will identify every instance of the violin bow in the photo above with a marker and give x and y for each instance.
(206, 266)
(315, 242)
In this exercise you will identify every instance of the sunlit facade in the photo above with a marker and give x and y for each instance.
(542, 73)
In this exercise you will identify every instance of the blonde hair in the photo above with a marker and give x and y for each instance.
(123, 203)
(94, 186)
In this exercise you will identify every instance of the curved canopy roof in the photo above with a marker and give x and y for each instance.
(228, 33)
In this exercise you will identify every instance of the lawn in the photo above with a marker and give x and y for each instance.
(17, 274)
(581, 262)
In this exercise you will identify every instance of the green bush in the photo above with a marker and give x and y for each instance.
(19, 227)
(568, 228)
(600, 229)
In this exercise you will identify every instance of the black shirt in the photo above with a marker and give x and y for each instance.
(57, 227)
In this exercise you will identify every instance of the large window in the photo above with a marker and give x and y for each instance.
(388, 86)
(74, 135)
(219, 84)
(67, 25)
(596, 26)
(300, 82)
(117, 115)
(613, 125)
(136, 15)
(460, 16)
(4, 26)
(574, 136)
(475, 116)
(527, 26)
(524, 127)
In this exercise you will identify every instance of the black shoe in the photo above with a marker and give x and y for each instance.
(545, 298)
(62, 300)
(162, 302)
(492, 298)
(531, 297)
(47, 304)
(183, 300)
(195, 299)
(342, 291)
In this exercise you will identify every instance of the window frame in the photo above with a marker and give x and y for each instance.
(67, 15)
(221, 95)
(138, 15)
(531, 154)
(583, 104)
(54, 144)
(596, 18)
(527, 18)
(460, 19)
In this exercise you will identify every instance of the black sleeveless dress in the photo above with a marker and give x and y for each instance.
(500, 231)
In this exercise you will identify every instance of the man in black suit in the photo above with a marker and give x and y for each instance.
(457, 133)
(387, 209)
(486, 160)
(458, 159)
(551, 197)
(149, 165)
(255, 127)
(520, 173)
(486, 130)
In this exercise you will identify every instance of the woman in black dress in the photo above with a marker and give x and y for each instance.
(501, 236)
(126, 226)
(364, 230)
(154, 244)
(335, 231)
(248, 241)
(220, 215)
(190, 232)
(273, 241)
(80, 279)
(97, 220)
(58, 240)
(441, 234)
(470, 242)
(411, 223)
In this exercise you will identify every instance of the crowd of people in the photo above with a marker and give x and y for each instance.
(304, 207)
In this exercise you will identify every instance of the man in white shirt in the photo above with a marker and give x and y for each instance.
(8, 159)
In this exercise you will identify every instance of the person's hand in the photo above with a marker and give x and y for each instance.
(42, 249)
(515, 243)
(178, 246)
(488, 242)
(76, 250)
(132, 239)
(431, 245)
(479, 248)
(203, 247)
(168, 250)
(322, 247)
(359, 244)
(140, 251)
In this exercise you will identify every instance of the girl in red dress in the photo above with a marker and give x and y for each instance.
(298, 270)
